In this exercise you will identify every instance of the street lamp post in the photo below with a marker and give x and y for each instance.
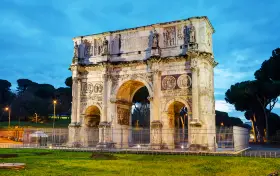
(54, 103)
(9, 110)
(36, 117)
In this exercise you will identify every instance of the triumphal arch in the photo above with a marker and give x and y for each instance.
(173, 61)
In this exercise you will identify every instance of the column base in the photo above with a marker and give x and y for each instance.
(105, 132)
(74, 138)
(156, 135)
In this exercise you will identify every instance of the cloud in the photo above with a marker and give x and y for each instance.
(277, 106)
(222, 105)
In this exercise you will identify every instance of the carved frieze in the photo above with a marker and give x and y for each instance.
(123, 116)
(169, 36)
(176, 92)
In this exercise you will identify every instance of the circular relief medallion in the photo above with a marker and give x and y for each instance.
(98, 88)
(168, 82)
(184, 81)
(87, 88)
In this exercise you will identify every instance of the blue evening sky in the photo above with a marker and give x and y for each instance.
(36, 35)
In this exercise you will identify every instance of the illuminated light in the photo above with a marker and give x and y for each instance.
(50, 147)
(6, 109)
(138, 146)
(182, 146)
(54, 101)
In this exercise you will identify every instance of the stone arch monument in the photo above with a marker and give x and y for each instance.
(173, 60)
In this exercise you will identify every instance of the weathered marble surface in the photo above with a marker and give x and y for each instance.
(173, 60)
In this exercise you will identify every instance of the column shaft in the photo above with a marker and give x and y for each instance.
(195, 95)
(74, 101)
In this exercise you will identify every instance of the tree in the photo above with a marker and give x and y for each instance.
(243, 96)
(250, 115)
(68, 82)
(23, 84)
(270, 69)
(6, 95)
(5, 92)
(223, 118)
(265, 93)
(45, 91)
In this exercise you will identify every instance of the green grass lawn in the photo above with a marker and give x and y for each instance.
(58, 124)
(80, 163)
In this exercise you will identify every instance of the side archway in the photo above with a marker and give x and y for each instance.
(175, 123)
(92, 116)
(90, 126)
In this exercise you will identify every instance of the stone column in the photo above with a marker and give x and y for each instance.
(104, 100)
(105, 137)
(74, 126)
(78, 102)
(195, 93)
(74, 101)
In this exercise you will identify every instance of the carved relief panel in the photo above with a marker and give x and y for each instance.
(170, 82)
(98, 47)
(169, 36)
(88, 48)
(123, 116)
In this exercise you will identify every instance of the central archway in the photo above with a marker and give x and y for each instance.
(133, 114)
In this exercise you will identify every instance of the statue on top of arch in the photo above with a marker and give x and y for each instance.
(155, 44)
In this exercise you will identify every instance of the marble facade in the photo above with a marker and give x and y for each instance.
(175, 62)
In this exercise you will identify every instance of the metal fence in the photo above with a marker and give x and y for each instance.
(45, 137)
(226, 139)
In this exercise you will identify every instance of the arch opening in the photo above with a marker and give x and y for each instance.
(91, 122)
(178, 120)
(132, 98)
(92, 116)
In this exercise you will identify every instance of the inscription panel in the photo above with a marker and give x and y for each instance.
(132, 41)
